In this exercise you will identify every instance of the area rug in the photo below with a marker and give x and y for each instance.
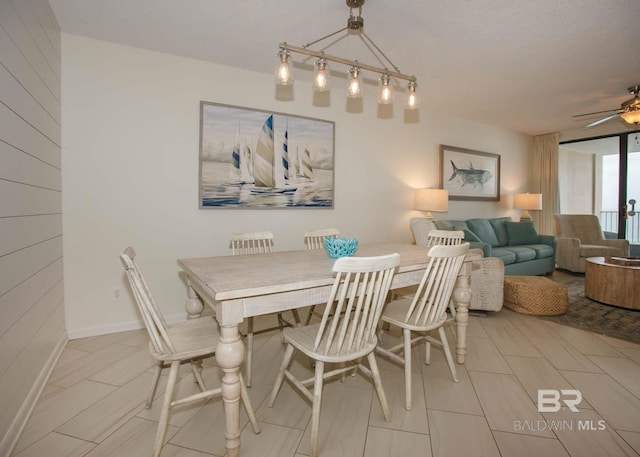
(594, 316)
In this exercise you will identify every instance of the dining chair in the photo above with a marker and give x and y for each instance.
(438, 238)
(257, 243)
(346, 333)
(171, 346)
(446, 238)
(425, 311)
(314, 239)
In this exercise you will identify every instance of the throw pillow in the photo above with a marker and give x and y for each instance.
(522, 233)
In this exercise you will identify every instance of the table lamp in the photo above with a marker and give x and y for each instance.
(431, 200)
(527, 202)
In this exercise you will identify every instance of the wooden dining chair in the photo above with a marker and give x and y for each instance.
(346, 334)
(425, 311)
(257, 243)
(446, 238)
(314, 239)
(438, 238)
(185, 342)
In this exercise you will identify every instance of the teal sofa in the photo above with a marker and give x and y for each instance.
(517, 244)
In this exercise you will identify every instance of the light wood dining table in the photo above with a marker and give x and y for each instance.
(237, 287)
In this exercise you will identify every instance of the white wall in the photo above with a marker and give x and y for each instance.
(130, 160)
(32, 332)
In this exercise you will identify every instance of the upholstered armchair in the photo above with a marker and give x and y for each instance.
(579, 237)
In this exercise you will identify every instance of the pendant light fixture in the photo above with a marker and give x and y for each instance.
(354, 89)
(321, 80)
(355, 23)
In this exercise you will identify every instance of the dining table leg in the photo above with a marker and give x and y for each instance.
(193, 305)
(462, 298)
(229, 355)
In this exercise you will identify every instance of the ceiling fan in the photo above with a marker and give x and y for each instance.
(629, 111)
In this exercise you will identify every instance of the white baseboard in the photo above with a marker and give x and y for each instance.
(10, 439)
(120, 327)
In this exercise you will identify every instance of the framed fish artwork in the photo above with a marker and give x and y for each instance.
(256, 159)
(469, 174)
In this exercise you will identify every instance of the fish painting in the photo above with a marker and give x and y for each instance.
(471, 175)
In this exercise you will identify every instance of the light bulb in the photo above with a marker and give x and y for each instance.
(321, 81)
(354, 90)
(413, 101)
(284, 75)
(386, 94)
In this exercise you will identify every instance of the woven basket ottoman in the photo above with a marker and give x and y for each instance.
(535, 295)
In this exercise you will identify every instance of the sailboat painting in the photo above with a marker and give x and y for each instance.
(258, 159)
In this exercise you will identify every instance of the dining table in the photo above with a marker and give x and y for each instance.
(238, 287)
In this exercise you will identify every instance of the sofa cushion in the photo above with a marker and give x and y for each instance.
(468, 235)
(499, 226)
(520, 233)
(523, 253)
(542, 250)
(508, 257)
(449, 225)
(483, 229)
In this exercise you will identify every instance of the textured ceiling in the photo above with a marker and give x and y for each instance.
(525, 66)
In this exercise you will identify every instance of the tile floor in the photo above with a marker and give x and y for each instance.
(93, 403)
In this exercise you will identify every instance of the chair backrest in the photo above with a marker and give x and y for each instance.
(355, 304)
(445, 237)
(314, 239)
(151, 315)
(251, 243)
(585, 227)
(434, 292)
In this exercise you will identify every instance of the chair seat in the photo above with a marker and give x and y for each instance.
(303, 339)
(191, 339)
(396, 312)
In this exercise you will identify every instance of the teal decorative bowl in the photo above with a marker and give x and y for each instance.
(340, 247)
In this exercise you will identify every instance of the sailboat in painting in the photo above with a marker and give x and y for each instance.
(269, 167)
(240, 172)
(306, 170)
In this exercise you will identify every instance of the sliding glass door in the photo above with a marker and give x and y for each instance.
(631, 206)
(601, 176)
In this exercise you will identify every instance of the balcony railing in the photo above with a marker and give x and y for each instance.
(609, 223)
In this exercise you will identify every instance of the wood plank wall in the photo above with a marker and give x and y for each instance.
(32, 324)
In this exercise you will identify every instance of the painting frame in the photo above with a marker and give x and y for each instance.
(479, 182)
(250, 158)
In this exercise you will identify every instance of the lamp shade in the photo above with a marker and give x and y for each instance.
(432, 200)
(527, 201)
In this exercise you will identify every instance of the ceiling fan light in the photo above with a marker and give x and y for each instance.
(632, 115)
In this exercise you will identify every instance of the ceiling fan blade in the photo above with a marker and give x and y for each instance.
(602, 120)
(596, 112)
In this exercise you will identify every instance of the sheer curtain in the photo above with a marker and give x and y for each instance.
(545, 180)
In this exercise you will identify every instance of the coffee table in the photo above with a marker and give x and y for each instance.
(613, 280)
